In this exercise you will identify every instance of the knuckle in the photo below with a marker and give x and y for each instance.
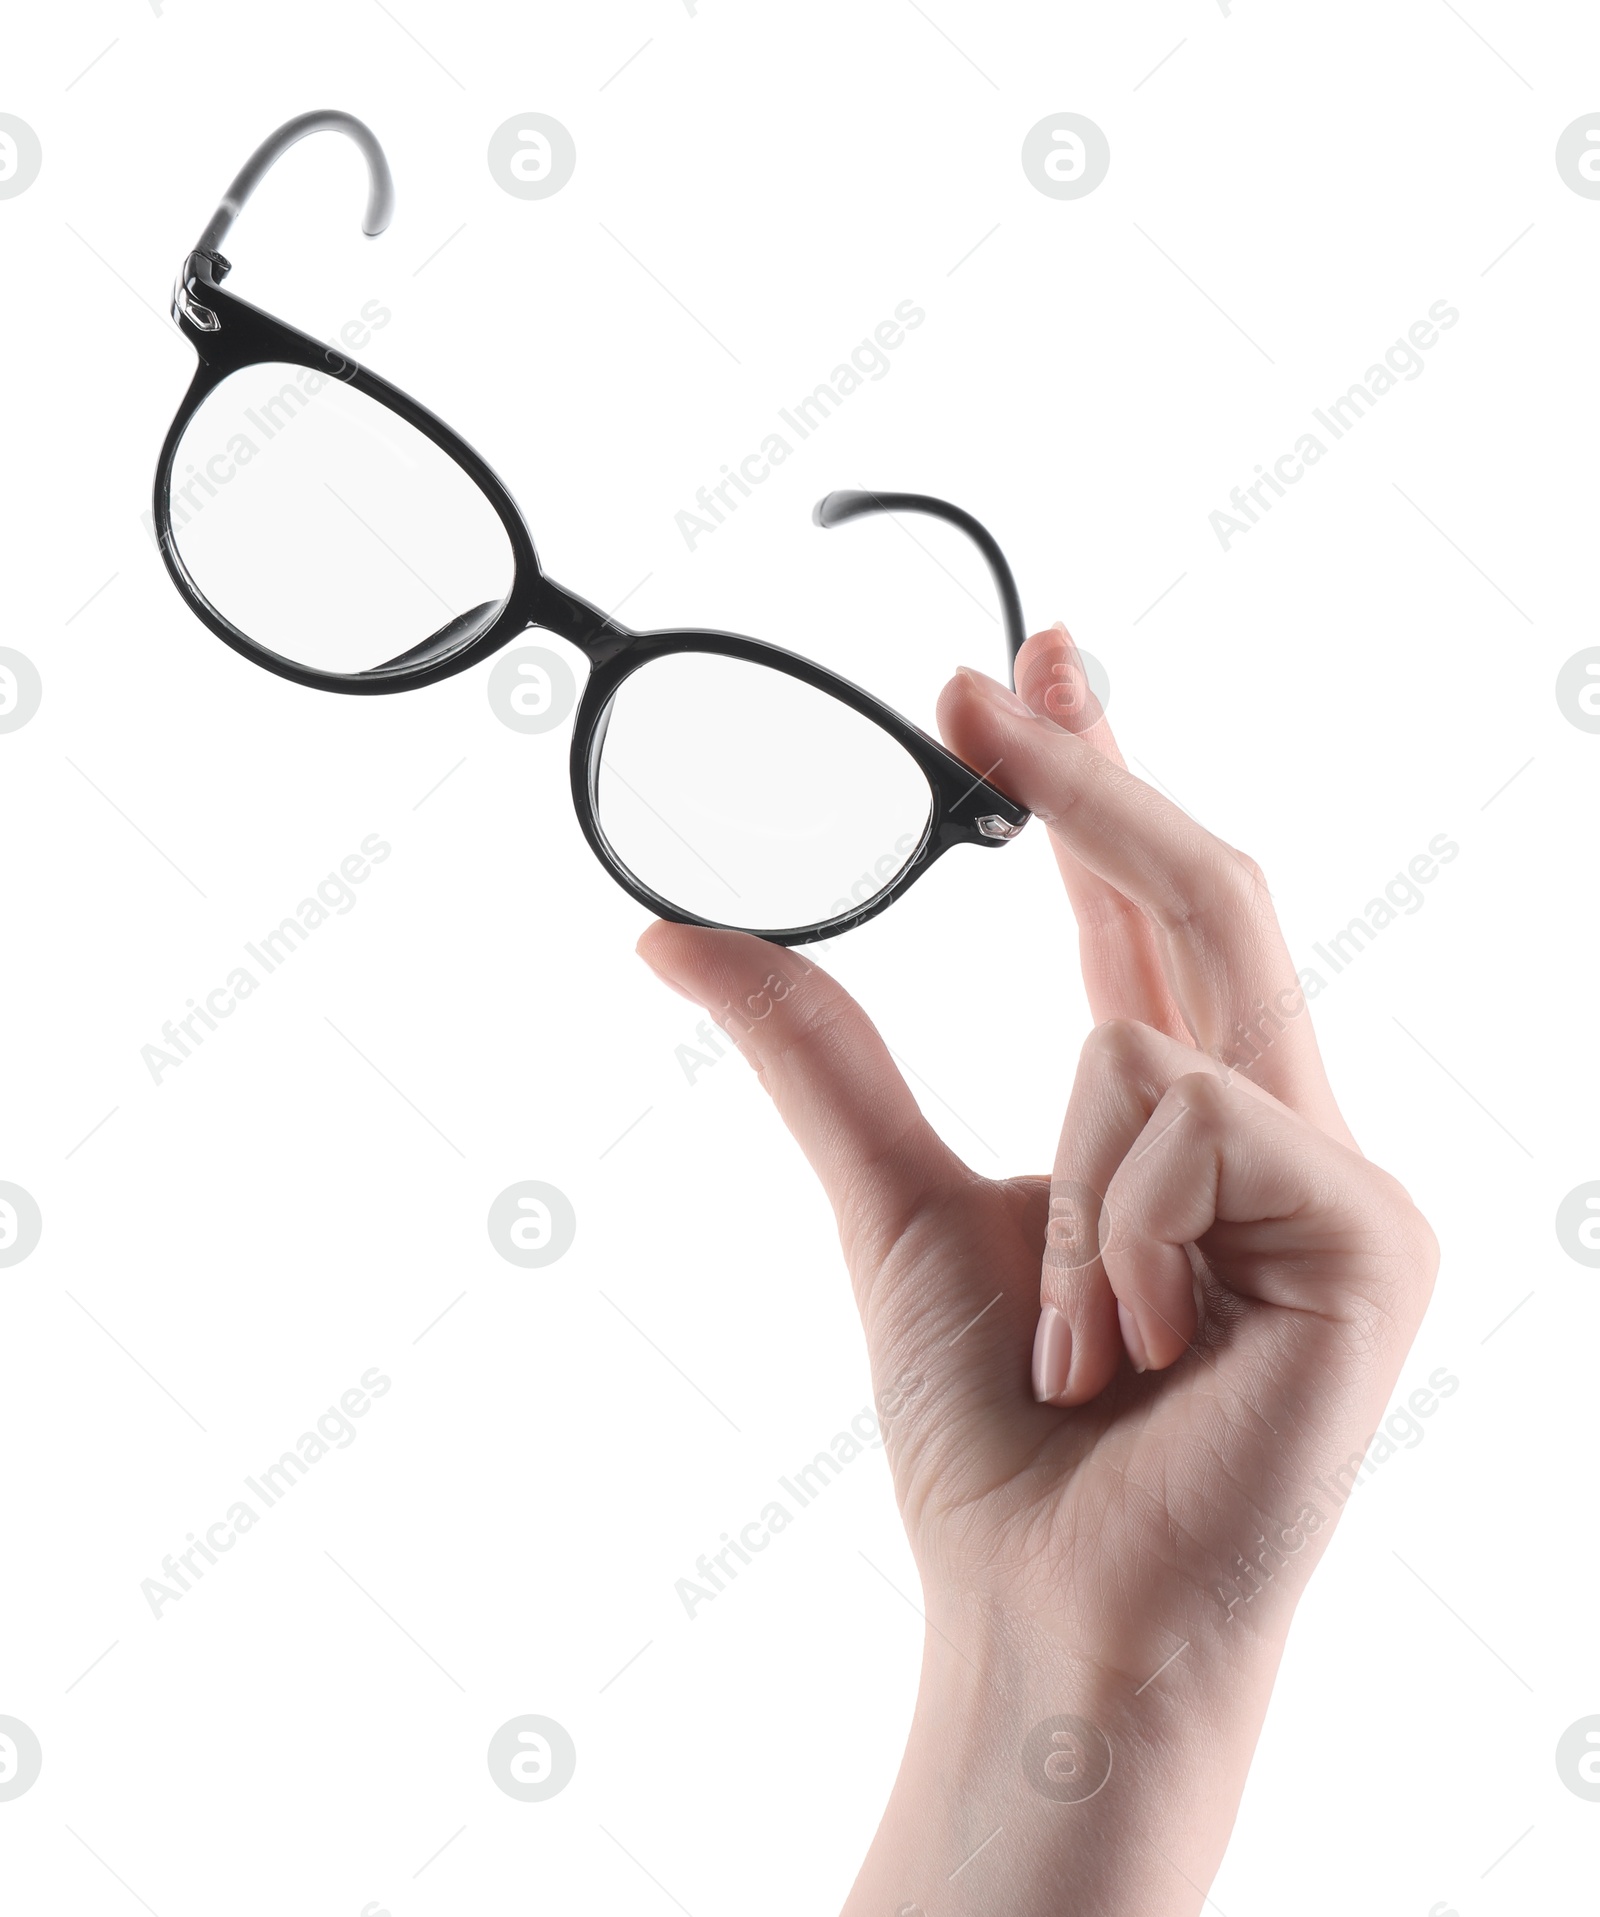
(1203, 1095)
(1120, 1045)
(1248, 870)
(1408, 1220)
(1222, 883)
(1241, 885)
(1421, 1242)
(1402, 1251)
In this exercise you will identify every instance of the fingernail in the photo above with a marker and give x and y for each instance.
(1073, 656)
(1133, 1338)
(998, 694)
(1052, 1355)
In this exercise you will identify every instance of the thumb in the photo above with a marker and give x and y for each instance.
(828, 1072)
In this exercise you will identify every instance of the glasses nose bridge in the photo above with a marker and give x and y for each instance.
(570, 616)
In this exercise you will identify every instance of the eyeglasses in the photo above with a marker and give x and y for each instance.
(332, 530)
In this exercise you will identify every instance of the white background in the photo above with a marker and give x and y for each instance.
(305, 1196)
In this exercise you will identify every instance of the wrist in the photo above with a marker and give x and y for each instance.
(1039, 1776)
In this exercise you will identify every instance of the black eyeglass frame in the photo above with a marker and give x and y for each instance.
(228, 334)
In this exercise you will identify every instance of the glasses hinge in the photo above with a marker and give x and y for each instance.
(184, 304)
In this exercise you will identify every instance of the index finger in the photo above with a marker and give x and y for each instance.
(1222, 954)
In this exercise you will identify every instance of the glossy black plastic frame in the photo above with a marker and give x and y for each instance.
(228, 334)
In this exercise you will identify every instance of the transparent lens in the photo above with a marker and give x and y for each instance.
(327, 529)
(745, 796)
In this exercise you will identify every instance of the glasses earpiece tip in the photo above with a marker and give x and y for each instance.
(836, 507)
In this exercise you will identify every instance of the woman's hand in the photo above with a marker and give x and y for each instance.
(1129, 1397)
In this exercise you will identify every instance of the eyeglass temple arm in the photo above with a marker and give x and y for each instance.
(380, 194)
(838, 507)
